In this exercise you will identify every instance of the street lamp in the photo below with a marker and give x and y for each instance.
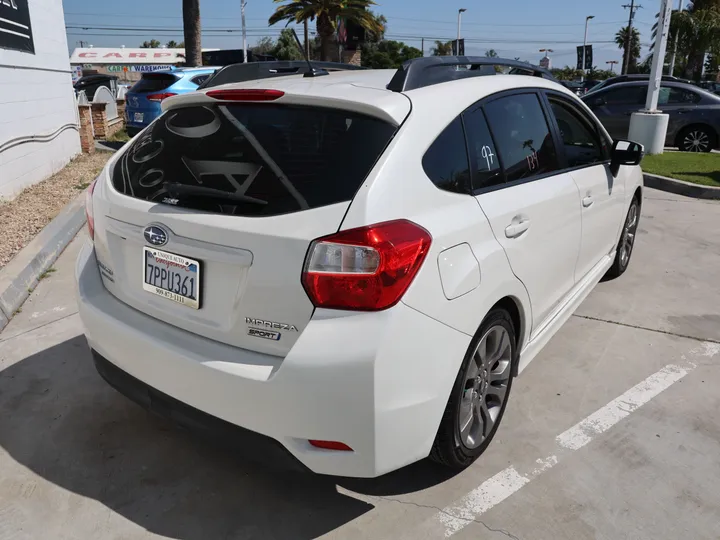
(457, 47)
(612, 64)
(587, 20)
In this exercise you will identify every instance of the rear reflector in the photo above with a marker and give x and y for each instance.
(365, 269)
(89, 215)
(246, 94)
(159, 97)
(331, 445)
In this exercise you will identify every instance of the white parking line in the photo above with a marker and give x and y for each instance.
(508, 481)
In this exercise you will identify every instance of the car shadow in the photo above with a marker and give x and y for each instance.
(64, 423)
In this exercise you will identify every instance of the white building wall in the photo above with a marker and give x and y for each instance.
(37, 99)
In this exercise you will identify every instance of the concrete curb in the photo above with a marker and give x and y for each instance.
(680, 187)
(20, 276)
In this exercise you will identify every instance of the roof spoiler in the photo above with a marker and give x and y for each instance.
(422, 72)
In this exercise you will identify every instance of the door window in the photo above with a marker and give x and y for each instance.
(580, 139)
(446, 161)
(199, 79)
(676, 96)
(627, 95)
(522, 136)
(486, 169)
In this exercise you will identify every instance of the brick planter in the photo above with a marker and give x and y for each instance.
(99, 118)
(87, 142)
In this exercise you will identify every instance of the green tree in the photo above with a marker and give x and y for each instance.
(698, 33)
(152, 44)
(286, 48)
(622, 42)
(388, 54)
(191, 32)
(326, 14)
(442, 48)
(173, 44)
(265, 45)
(491, 53)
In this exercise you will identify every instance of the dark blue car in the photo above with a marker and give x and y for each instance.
(143, 100)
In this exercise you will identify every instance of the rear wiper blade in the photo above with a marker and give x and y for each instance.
(210, 193)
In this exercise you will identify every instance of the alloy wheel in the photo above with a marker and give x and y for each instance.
(628, 238)
(696, 141)
(486, 387)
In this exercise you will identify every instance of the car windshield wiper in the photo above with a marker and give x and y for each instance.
(210, 193)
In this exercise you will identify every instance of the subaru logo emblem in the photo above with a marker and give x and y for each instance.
(157, 236)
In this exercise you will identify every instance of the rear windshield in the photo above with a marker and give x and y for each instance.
(154, 82)
(252, 159)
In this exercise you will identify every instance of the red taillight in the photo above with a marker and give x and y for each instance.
(331, 445)
(246, 94)
(366, 269)
(89, 209)
(159, 97)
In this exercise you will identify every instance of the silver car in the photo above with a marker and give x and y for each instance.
(694, 113)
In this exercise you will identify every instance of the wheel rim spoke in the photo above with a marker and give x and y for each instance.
(486, 383)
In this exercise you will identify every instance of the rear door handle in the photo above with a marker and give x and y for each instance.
(516, 229)
(588, 201)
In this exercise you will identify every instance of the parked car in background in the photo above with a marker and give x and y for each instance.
(710, 86)
(635, 77)
(90, 83)
(694, 113)
(143, 100)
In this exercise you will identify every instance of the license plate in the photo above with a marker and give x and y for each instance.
(138, 116)
(172, 276)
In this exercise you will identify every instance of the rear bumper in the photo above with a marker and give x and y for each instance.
(378, 382)
(248, 444)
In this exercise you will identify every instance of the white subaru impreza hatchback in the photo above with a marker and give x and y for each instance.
(350, 269)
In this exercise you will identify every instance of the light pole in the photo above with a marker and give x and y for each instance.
(587, 20)
(243, 3)
(612, 64)
(675, 44)
(457, 46)
(649, 125)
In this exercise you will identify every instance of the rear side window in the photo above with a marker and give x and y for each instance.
(522, 136)
(446, 161)
(154, 82)
(485, 163)
(199, 79)
(252, 159)
(677, 96)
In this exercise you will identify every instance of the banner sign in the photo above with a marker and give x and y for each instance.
(15, 28)
(588, 57)
(142, 68)
(580, 57)
(455, 46)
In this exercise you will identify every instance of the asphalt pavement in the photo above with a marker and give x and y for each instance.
(612, 432)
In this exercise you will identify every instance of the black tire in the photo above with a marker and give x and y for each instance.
(697, 139)
(622, 258)
(449, 449)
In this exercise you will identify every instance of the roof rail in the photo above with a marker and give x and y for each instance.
(253, 71)
(421, 72)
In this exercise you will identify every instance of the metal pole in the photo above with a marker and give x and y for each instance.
(423, 46)
(457, 45)
(628, 39)
(582, 77)
(675, 44)
(663, 29)
(244, 30)
(307, 39)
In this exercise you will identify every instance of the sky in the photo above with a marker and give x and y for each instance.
(514, 28)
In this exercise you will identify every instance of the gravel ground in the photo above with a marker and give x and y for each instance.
(25, 216)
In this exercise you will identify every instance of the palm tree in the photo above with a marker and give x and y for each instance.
(326, 14)
(442, 49)
(621, 40)
(698, 32)
(191, 32)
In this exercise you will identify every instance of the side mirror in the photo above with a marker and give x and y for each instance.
(625, 153)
